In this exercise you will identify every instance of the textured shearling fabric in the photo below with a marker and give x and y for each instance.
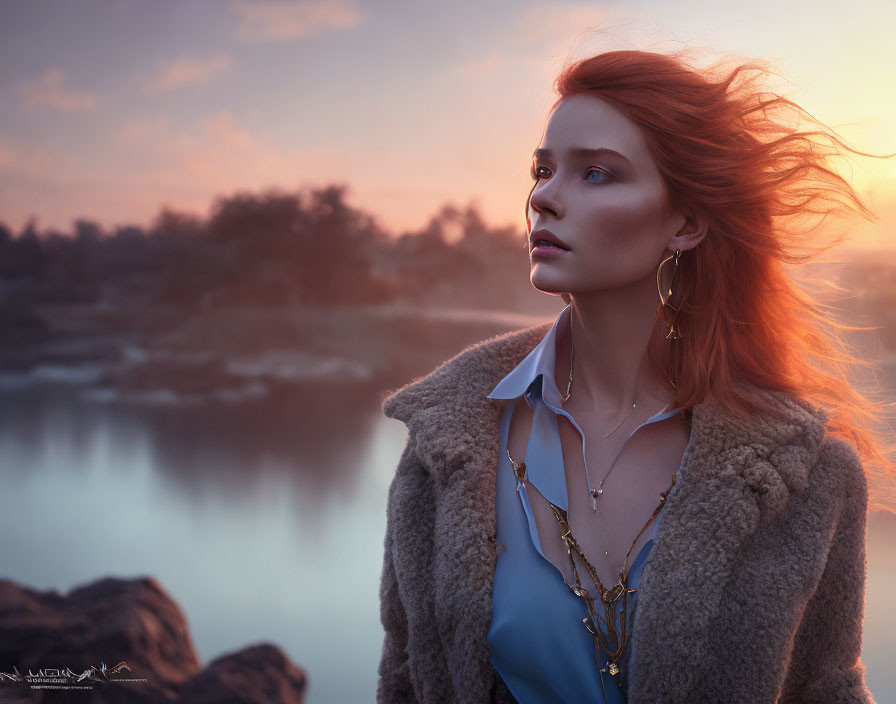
(753, 592)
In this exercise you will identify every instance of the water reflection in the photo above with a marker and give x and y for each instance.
(311, 438)
(263, 520)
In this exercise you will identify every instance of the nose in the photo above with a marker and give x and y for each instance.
(543, 199)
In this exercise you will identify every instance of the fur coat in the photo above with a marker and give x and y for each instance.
(753, 591)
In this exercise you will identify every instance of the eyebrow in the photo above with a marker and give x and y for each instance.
(581, 151)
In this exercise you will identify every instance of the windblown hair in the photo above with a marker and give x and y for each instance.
(735, 155)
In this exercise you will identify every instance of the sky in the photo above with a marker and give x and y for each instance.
(111, 110)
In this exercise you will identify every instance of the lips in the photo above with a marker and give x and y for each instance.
(547, 238)
(548, 243)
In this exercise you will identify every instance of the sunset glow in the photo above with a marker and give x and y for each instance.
(113, 110)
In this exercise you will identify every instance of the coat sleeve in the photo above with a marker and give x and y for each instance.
(826, 666)
(394, 682)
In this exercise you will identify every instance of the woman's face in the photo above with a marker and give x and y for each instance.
(609, 210)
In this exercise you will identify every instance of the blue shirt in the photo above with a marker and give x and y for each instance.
(539, 645)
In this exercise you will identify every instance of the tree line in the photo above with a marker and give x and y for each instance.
(270, 249)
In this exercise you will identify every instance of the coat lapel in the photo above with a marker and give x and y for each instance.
(734, 477)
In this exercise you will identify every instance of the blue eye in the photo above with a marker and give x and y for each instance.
(534, 172)
(600, 171)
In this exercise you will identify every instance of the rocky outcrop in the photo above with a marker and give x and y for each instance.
(81, 639)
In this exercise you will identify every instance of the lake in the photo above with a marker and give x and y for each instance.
(263, 519)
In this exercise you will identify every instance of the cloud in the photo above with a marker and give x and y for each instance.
(46, 91)
(154, 161)
(187, 71)
(535, 42)
(139, 130)
(7, 154)
(483, 65)
(552, 28)
(213, 156)
(27, 161)
(278, 21)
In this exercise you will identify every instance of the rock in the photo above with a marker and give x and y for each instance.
(136, 622)
(261, 673)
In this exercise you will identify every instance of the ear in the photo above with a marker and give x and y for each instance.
(689, 235)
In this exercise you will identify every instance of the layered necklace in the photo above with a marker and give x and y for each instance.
(614, 642)
(600, 487)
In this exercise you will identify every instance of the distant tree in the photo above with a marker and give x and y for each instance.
(274, 249)
(482, 267)
(170, 223)
(287, 248)
(421, 263)
(24, 256)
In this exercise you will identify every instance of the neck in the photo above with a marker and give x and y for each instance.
(611, 330)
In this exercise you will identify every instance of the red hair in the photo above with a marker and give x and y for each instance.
(734, 155)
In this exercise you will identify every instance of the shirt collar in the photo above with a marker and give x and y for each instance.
(540, 362)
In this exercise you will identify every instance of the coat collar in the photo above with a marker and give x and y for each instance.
(734, 478)
(540, 361)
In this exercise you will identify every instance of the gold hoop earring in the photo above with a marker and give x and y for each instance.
(673, 334)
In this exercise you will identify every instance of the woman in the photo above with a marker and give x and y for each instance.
(660, 497)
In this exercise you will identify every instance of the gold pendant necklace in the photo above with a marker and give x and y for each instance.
(600, 488)
(613, 644)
